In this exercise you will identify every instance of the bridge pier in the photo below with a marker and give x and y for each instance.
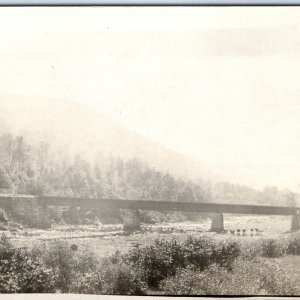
(132, 220)
(295, 226)
(217, 224)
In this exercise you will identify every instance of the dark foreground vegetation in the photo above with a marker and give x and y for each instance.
(195, 266)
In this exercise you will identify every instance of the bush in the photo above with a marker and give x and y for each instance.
(202, 252)
(215, 280)
(157, 261)
(273, 248)
(60, 258)
(112, 279)
(163, 258)
(246, 278)
(250, 249)
(78, 271)
(23, 272)
(67, 263)
(294, 245)
(199, 252)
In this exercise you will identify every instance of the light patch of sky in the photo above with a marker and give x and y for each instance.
(219, 84)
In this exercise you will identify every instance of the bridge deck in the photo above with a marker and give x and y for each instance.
(168, 206)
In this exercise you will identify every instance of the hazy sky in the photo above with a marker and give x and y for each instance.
(219, 84)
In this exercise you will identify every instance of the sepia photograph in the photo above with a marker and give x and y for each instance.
(150, 151)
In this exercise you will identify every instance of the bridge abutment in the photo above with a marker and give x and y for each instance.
(132, 220)
(26, 210)
(217, 224)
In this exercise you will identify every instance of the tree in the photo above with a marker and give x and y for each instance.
(5, 181)
(288, 198)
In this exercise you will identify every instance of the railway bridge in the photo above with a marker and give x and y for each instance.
(35, 209)
(133, 207)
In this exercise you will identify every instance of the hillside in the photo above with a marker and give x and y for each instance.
(76, 129)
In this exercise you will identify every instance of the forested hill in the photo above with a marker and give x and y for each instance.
(38, 169)
(76, 128)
